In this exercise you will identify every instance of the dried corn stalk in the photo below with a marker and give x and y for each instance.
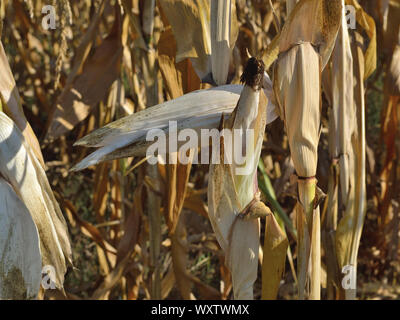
(343, 125)
(306, 43)
(349, 230)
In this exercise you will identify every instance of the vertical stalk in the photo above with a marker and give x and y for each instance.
(153, 205)
(360, 197)
(315, 290)
(311, 235)
(330, 229)
(148, 19)
(150, 72)
(290, 4)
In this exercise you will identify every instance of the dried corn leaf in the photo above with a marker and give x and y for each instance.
(190, 21)
(368, 24)
(274, 258)
(344, 113)
(349, 230)
(90, 86)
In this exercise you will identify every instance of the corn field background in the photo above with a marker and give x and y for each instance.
(115, 227)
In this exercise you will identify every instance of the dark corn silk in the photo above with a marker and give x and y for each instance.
(253, 73)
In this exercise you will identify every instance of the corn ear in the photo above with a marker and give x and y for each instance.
(305, 49)
(229, 193)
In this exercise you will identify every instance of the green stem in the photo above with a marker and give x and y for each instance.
(266, 187)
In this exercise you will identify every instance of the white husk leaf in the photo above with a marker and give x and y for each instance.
(196, 110)
(20, 260)
(20, 167)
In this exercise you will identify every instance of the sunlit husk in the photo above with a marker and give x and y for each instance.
(22, 170)
(20, 260)
(229, 194)
(305, 49)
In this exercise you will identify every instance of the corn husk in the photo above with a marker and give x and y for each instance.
(229, 193)
(20, 260)
(198, 110)
(305, 49)
(20, 167)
